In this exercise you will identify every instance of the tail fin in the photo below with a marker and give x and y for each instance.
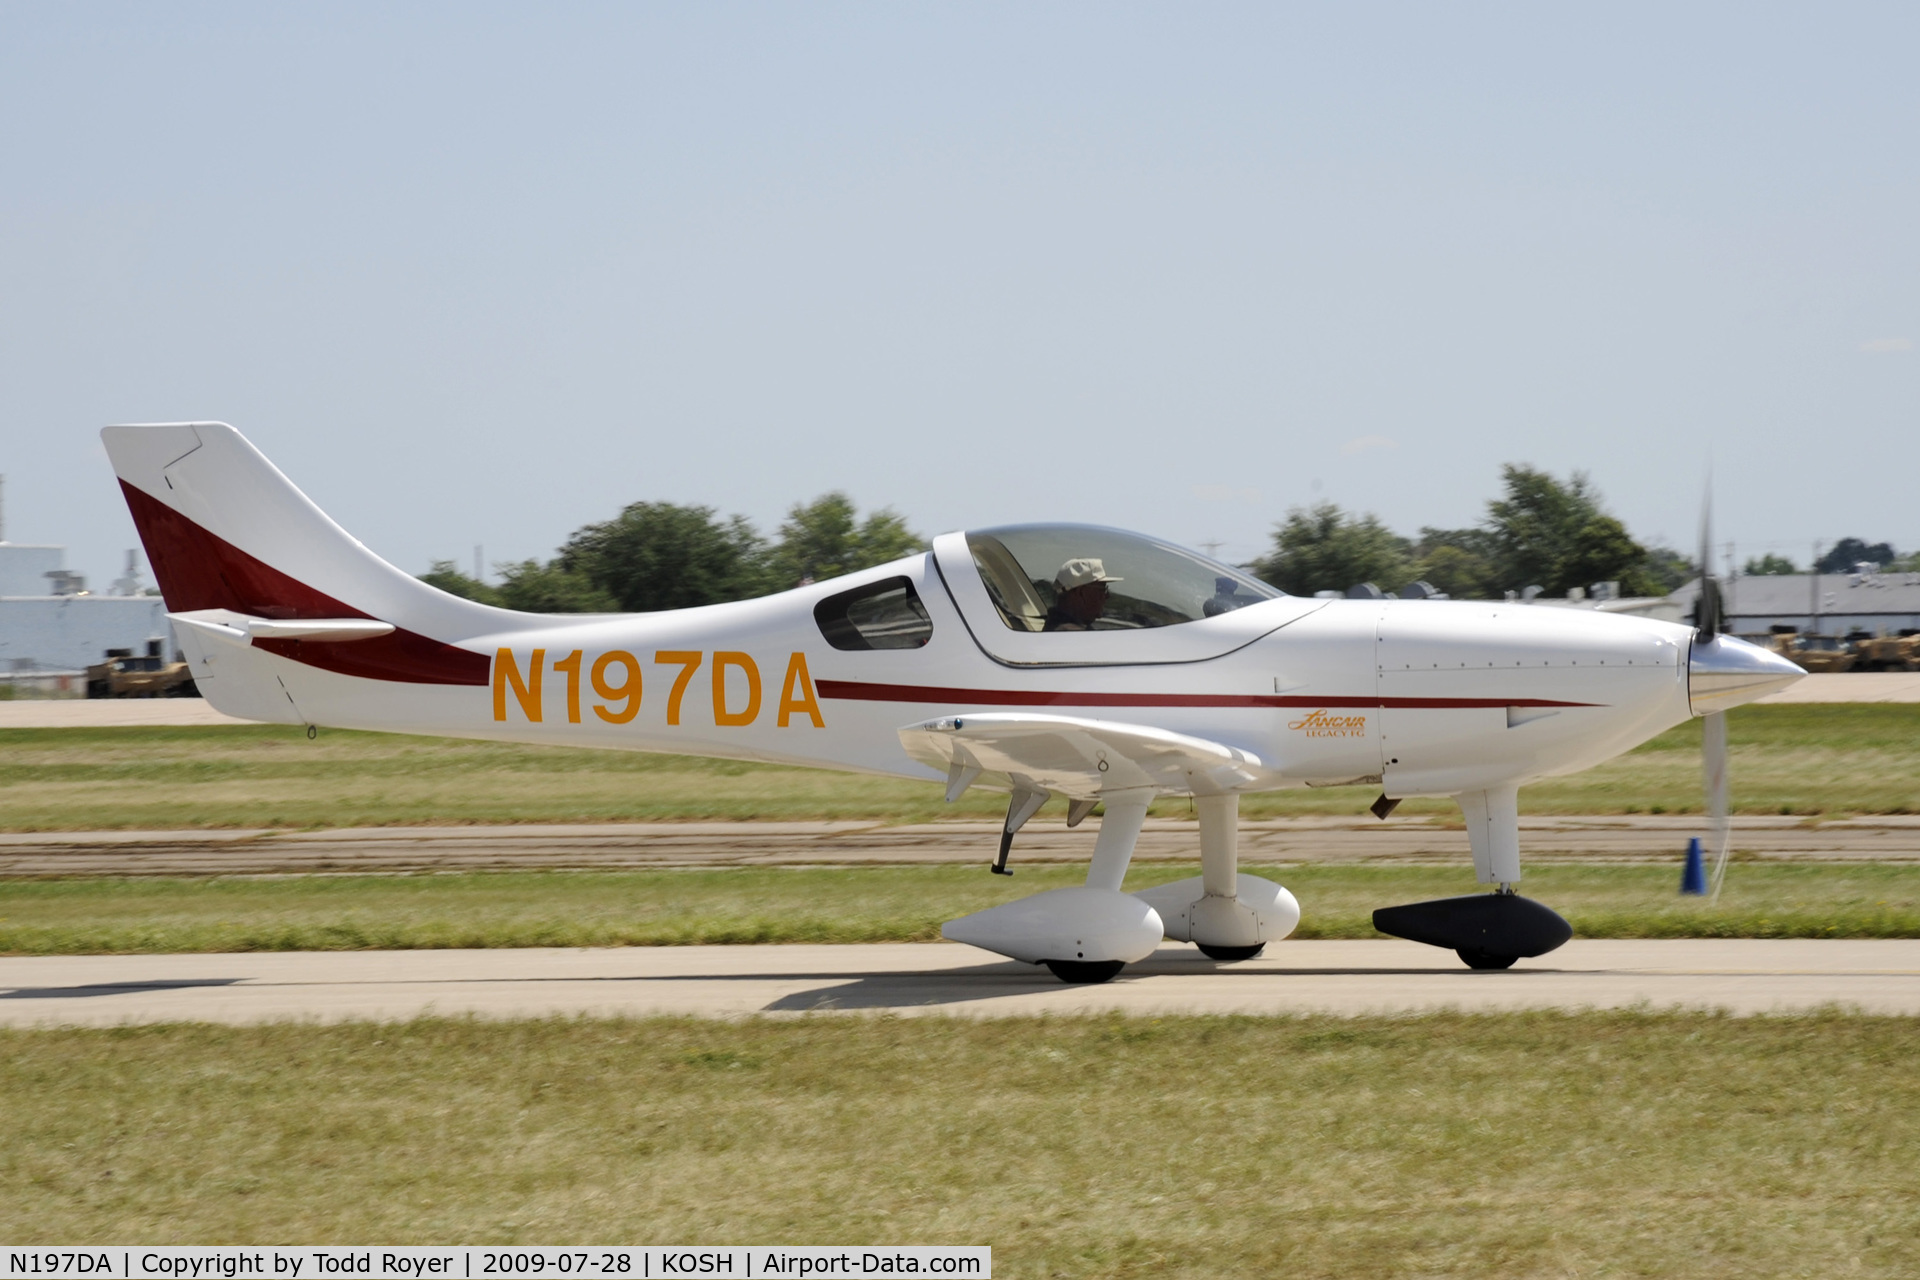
(225, 531)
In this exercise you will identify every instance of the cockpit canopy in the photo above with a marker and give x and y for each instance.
(1152, 583)
(1159, 602)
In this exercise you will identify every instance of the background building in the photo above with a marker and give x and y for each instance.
(30, 570)
(1827, 603)
(52, 628)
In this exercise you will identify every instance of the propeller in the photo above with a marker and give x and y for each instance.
(1709, 618)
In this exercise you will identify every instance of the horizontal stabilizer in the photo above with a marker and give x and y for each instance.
(245, 629)
(1081, 758)
(318, 629)
(232, 654)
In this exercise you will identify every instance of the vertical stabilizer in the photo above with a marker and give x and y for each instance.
(231, 539)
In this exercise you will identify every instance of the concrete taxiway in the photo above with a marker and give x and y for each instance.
(1741, 976)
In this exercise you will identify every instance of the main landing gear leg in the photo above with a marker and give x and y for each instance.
(1112, 851)
(1219, 913)
(1119, 830)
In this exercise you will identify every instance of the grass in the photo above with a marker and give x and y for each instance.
(1509, 1145)
(863, 904)
(1802, 759)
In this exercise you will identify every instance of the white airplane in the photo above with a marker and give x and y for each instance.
(1040, 660)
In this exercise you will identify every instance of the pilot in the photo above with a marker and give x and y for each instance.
(1226, 598)
(1082, 598)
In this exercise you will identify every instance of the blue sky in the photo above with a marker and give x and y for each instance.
(481, 274)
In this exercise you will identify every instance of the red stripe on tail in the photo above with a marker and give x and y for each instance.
(201, 570)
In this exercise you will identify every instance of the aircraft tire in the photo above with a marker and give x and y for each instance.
(1231, 953)
(1485, 960)
(1085, 971)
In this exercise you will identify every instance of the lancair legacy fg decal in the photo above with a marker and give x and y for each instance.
(1043, 660)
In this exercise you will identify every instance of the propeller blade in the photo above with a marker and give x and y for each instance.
(1708, 611)
(1713, 756)
(1708, 619)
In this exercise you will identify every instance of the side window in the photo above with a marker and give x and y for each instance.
(881, 615)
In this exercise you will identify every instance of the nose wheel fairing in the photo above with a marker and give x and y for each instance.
(1485, 928)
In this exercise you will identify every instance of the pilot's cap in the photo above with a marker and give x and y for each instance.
(1080, 573)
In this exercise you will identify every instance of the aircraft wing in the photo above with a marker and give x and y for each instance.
(1077, 757)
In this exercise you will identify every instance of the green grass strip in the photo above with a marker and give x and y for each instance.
(1484, 1146)
(866, 904)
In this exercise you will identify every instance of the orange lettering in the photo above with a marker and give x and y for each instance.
(722, 716)
(797, 677)
(570, 665)
(688, 660)
(627, 690)
(507, 672)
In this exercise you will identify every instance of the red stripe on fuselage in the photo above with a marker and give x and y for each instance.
(201, 570)
(860, 691)
(406, 657)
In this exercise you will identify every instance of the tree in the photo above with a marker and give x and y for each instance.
(1770, 565)
(1555, 534)
(658, 555)
(1459, 562)
(1849, 552)
(1322, 548)
(820, 539)
(1602, 550)
(447, 576)
(1542, 530)
(1665, 571)
(532, 587)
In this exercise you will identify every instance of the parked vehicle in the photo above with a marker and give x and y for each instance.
(1887, 653)
(1818, 654)
(125, 674)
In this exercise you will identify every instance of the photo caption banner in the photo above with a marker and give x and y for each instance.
(483, 1262)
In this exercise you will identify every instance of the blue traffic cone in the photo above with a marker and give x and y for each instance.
(1694, 879)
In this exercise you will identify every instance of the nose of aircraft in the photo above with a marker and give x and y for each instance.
(1726, 671)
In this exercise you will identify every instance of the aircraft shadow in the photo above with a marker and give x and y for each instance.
(992, 981)
(917, 990)
(112, 988)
